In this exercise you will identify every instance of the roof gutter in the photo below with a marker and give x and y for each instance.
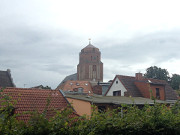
(66, 99)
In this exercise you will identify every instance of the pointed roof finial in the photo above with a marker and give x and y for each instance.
(89, 41)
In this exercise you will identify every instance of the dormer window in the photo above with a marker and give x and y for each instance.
(80, 90)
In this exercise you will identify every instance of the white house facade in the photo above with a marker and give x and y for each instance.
(116, 89)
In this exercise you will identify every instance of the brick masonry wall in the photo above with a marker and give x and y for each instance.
(148, 90)
(144, 88)
(97, 89)
(161, 91)
(88, 58)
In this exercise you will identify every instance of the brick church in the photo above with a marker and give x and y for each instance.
(90, 67)
(89, 80)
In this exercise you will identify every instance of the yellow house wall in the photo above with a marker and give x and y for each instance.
(80, 106)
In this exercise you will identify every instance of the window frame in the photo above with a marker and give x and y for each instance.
(117, 93)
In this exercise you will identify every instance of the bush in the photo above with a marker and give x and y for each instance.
(125, 120)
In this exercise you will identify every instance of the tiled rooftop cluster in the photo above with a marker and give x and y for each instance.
(129, 83)
(74, 86)
(35, 100)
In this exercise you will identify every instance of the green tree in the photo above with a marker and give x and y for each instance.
(175, 81)
(157, 73)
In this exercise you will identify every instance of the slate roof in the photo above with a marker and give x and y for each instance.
(117, 100)
(69, 77)
(29, 99)
(5, 79)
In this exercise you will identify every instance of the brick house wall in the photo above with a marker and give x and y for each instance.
(148, 90)
(97, 89)
(144, 88)
(161, 91)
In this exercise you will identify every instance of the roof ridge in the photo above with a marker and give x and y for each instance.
(126, 76)
(156, 79)
(15, 88)
(76, 81)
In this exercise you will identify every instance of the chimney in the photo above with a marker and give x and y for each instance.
(139, 76)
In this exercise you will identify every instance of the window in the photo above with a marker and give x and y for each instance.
(101, 109)
(116, 82)
(80, 90)
(157, 93)
(94, 67)
(71, 83)
(75, 90)
(93, 49)
(117, 93)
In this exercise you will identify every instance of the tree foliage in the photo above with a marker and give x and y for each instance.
(162, 74)
(157, 73)
(175, 81)
(125, 120)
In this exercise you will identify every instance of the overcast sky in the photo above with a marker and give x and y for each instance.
(40, 40)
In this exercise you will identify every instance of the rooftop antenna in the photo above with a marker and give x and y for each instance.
(25, 85)
(89, 41)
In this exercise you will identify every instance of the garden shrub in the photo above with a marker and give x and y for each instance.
(126, 120)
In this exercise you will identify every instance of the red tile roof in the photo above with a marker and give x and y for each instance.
(30, 99)
(128, 82)
(72, 85)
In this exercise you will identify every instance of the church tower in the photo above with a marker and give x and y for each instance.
(90, 67)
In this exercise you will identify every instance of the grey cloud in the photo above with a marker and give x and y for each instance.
(159, 46)
(58, 68)
(40, 55)
(36, 56)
